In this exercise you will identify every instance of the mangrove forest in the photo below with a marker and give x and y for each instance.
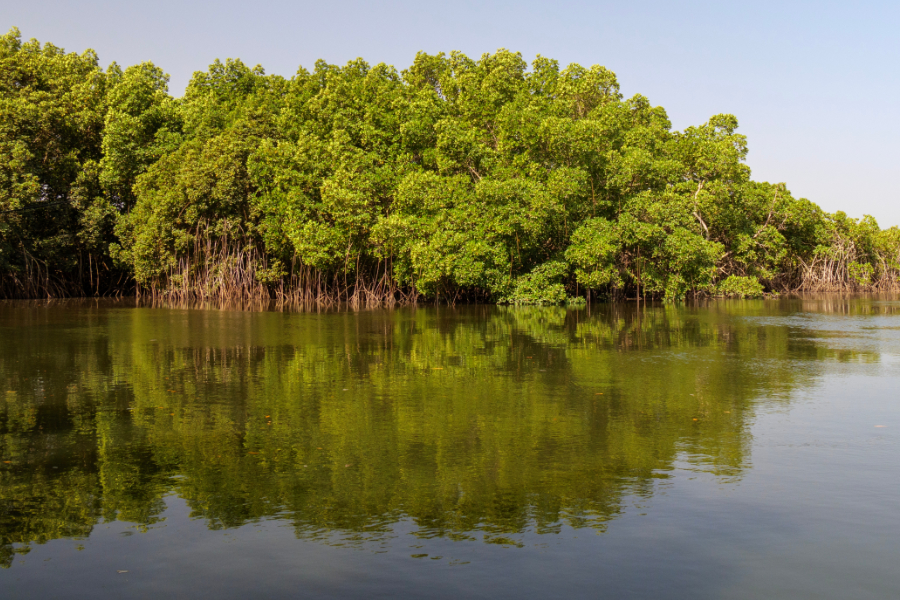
(454, 180)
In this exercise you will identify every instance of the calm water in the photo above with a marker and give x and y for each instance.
(744, 449)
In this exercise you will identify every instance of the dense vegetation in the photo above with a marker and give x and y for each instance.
(483, 180)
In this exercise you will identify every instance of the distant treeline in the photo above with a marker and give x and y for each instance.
(456, 179)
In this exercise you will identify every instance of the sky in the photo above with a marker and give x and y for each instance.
(814, 84)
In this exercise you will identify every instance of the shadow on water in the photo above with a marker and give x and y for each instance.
(469, 423)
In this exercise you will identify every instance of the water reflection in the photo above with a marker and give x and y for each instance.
(471, 423)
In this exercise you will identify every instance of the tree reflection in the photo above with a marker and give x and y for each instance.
(471, 423)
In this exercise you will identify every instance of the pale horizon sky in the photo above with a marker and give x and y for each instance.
(813, 84)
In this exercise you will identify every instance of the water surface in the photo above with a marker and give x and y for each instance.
(740, 449)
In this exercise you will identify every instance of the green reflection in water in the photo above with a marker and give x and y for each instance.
(474, 423)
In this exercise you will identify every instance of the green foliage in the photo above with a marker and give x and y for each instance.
(736, 286)
(456, 178)
(54, 222)
(142, 124)
(543, 285)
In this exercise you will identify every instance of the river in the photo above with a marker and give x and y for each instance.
(731, 449)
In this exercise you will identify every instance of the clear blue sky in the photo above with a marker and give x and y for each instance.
(814, 84)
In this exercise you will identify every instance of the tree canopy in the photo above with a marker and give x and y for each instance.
(486, 180)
